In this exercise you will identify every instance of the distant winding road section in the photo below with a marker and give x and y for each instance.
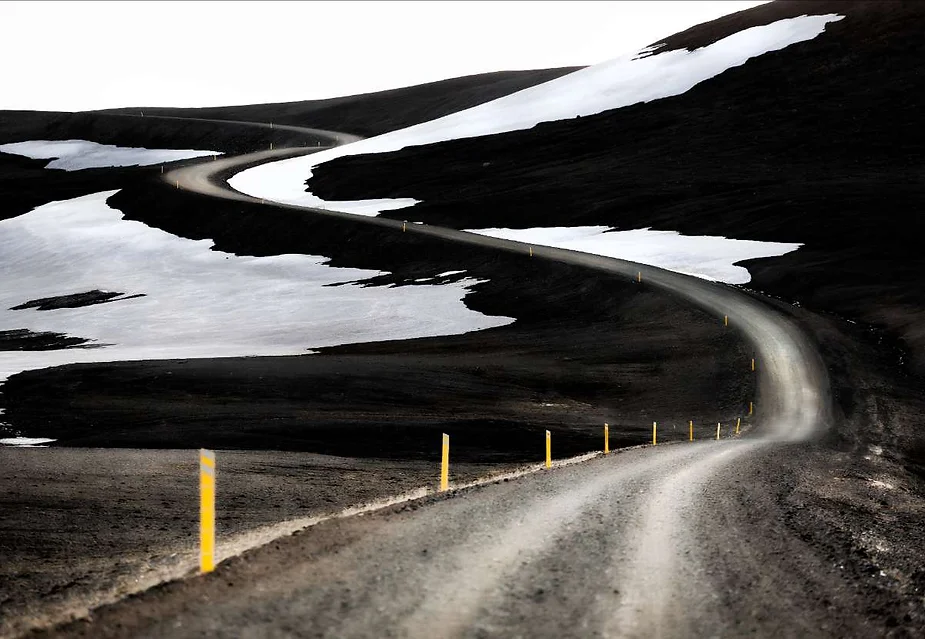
(650, 542)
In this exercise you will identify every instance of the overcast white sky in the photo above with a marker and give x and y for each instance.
(91, 55)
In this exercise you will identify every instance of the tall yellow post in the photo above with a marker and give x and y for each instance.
(717, 431)
(206, 510)
(690, 426)
(445, 464)
(738, 424)
(404, 226)
(606, 439)
(654, 439)
(548, 450)
(751, 408)
(753, 363)
(725, 320)
(531, 251)
(639, 277)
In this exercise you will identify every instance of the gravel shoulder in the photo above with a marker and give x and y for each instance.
(83, 527)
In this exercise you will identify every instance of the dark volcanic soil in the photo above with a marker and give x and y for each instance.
(80, 527)
(819, 143)
(585, 349)
(376, 113)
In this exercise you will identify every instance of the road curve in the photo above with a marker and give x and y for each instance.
(618, 546)
(792, 397)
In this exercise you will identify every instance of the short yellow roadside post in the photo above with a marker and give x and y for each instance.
(751, 408)
(445, 464)
(639, 277)
(206, 510)
(725, 320)
(717, 431)
(738, 424)
(753, 364)
(606, 439)
(690, 426)
(531, 251)
(548, 450)
(654, 438)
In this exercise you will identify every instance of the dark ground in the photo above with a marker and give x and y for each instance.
(80, 527)
(77, 524)
(819, 143)
(371, 114)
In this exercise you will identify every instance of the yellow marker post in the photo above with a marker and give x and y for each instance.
(725, 320)
(639, 277)
(531, 251)
(404, 227)
(753, 364)
(606, 439)
(654, 439)
(548, 450)
(206, 510)
(690, 426)
(445, 464)
(178, 184)
(751, 408)
(717, 431)
(738, 424)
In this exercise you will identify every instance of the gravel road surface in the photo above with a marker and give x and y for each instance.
(620, 546)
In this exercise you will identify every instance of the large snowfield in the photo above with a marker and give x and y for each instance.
(706, 256)
(197, 302)
(610, 85)
(74, 155)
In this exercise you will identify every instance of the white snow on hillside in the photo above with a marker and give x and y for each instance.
(708, 257)
(74, 155)
(198, 302)
(610, 85)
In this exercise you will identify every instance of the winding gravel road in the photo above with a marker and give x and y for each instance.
(667, 541)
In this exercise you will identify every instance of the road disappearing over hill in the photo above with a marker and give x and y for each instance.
(669, 541)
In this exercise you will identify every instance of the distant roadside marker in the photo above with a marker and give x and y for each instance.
(548, 450)
(654, 429)
(445, 464)
(717, 431)
(606, 439)
(690, 426)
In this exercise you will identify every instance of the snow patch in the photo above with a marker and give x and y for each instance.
(198, 302)
(708, 257)
(74, 155)
(610, 85)
(26, 442)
